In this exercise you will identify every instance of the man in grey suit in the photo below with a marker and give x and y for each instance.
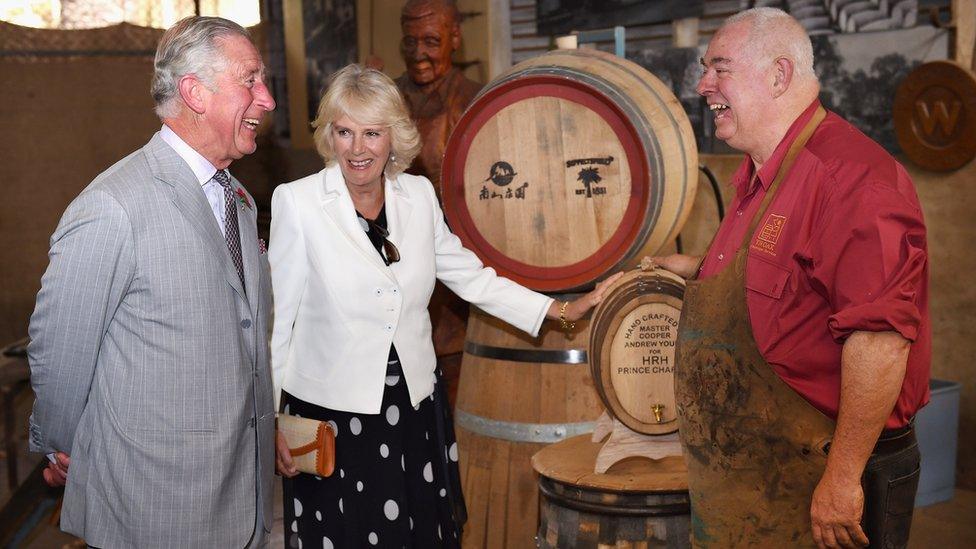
(148, 352)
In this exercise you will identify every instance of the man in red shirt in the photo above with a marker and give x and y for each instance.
(804, 347)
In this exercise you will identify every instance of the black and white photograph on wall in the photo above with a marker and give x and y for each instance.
(859, 74)
(555, 17)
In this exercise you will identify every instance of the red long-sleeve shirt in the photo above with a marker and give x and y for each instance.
(842, 248)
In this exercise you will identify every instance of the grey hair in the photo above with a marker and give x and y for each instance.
(778, 34)
(191, 46)
(369, 97)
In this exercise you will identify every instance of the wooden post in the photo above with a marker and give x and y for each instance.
(301, 134)
(964, 21)
(499, 37)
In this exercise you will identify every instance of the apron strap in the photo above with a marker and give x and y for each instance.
(784, 169)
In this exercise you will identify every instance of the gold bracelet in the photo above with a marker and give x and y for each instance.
(566, 325)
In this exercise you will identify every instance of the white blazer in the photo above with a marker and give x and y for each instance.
(337, 307)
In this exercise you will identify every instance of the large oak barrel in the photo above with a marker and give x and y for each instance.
(636, 504)
(631, 351)
(516, 395)
(570, 166)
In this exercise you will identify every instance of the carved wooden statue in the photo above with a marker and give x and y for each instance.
(437, 94)
(436, 91)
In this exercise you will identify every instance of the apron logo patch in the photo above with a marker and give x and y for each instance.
(766, 239)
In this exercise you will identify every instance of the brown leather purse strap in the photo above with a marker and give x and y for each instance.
(311, 446)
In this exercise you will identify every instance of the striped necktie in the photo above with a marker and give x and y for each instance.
(232, 232)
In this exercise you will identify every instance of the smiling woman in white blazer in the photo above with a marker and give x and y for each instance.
(351, 341)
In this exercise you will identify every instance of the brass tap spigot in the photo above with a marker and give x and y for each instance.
(658, 410)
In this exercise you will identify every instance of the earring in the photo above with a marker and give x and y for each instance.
(392, 157)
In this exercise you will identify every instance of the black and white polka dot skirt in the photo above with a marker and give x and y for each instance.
(395, 481)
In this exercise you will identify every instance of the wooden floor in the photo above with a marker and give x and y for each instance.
(949, 524)
(946, 525)
(943, 525)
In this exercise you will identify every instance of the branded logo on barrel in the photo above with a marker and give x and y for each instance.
(502, 174)
(590, 176)
(649, 336)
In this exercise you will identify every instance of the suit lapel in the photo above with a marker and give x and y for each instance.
(340, 210)
(192, 203)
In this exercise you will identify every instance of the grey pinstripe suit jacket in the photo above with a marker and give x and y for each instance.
(150, 364)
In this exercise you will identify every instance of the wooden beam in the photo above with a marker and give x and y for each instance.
(964, 21)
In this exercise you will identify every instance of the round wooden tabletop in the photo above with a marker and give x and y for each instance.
(572, 461)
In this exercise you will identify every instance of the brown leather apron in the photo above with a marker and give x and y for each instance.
(754, 447)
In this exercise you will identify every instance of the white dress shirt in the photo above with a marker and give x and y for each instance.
(203, 169)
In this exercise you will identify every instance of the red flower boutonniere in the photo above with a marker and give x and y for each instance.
(242, 196)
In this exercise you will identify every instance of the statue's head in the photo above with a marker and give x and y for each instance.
(431, 33)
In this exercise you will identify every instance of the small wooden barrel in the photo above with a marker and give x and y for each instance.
(631, 348)
(515, 395)
(570, 166)
(637, 504)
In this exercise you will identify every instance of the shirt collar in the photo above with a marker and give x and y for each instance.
(743, 179)
(202, 168)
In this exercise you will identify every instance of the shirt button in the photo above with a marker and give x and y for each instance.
(246, 323)
(378, 292)
(738, 212)
(721, 257)
(395, 290)
(388, 327)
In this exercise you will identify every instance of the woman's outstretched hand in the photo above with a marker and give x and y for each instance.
(578, 307)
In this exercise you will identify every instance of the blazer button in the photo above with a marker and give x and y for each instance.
(388, 327)
(378, 292)
(395, 291)
(246, 323)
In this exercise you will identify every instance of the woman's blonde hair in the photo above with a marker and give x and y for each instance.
(369, 97)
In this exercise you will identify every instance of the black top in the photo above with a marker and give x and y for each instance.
(376, 230)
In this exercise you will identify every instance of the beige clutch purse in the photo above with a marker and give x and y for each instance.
(311, 442)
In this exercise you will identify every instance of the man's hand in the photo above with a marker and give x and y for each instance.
(872, 370)
(679, 264)
(283, 462)
(56, 473)
(836, 513)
